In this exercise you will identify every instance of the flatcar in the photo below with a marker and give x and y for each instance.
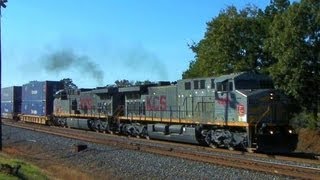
(11, 102)
(37, 100)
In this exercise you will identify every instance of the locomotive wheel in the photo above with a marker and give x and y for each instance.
(250, 150)
(212, 145)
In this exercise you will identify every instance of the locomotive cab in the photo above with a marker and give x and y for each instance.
(65, 102)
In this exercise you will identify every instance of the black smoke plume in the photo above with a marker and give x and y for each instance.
(63, 60)
(140, 59)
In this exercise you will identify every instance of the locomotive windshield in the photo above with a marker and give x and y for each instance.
(253, 84)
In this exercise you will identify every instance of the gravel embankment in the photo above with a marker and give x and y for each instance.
(98, 160)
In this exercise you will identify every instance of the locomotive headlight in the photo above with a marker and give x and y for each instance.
(271, 132)
(290, 131)
(271, 96)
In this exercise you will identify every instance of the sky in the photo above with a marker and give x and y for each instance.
(98, 42)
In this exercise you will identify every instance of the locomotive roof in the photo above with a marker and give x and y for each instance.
(105, 90)
(85, 89)
(242, 75)
(130, 89)
(136, 88)
(43, 81)
(251, 92)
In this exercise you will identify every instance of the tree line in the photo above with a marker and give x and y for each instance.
(282, 40)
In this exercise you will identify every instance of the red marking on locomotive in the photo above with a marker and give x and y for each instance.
(86, 103)
(240, 109)
(223, 101)
(156, 103)
(163, 103)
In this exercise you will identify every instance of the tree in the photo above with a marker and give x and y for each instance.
(295, 44)
(146, 82)
(276, 7)
(194, 70)
(283, 40)
(123, 83)
(68, 84)
(233, 42)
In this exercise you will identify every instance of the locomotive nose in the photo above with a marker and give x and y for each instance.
(266, 106)
(267, 110)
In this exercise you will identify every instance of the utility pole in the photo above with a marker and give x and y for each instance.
(2, 5)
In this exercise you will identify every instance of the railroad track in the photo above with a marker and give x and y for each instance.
(184, 151)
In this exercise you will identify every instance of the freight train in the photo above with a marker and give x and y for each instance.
(240, 110)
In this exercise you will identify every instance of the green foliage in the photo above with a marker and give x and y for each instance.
(283, 41)
(276, 7)
(138, 83)
(127, 83)
(305, 119)
(193, 71)
(123, 83)
(68, 84)
(294, 42)
(27, 171)
(232, 43)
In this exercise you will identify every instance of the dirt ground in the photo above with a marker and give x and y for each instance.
(54, 168)
(309, 141)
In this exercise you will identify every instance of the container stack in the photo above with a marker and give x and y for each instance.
(38, 96)
(10, 101)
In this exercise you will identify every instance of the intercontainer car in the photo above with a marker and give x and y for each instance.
(10, 102)
(37, 100)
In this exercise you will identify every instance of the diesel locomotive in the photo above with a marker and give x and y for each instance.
(240, 110)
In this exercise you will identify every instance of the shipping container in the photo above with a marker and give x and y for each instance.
(10, 109)
(10, 101)
(40, 90)
(37, 108)
(10, 94)
(38, 96)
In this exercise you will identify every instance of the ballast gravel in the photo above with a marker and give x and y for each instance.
(120, 163)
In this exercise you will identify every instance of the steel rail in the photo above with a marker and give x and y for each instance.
(295, 171)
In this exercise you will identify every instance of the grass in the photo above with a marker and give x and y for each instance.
(27, 171)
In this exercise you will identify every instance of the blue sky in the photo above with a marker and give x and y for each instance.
(121, 39)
